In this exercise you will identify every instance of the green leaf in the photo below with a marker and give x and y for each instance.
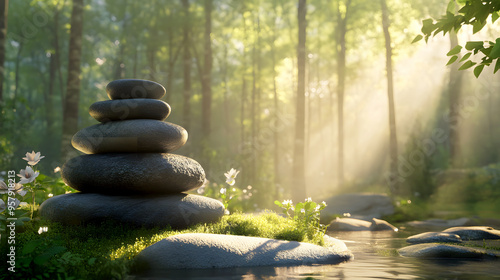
(451, 7)
(478, 70)
(468, 64)
(31, 246)
(428, 26)
(497, 66)
(278, 203)
(45, 256)
(452, 59)
(418, 38)
(477, 26)
(471, 45)
(494, 17)
(466, 56)
(495, 52)
(455, 50)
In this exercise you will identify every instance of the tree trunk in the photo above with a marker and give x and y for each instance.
(206, 85)
(299, 147)
(393, 143)
(454, 88)
(341, 69)
(276, 106)
(70, 111)
(187, 67)
(4, 7)
(120, 62)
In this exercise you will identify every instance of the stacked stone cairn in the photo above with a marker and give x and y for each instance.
(128, 173)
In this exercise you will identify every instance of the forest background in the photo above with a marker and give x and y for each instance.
(307, 99)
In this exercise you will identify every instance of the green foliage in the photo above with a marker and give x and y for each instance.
(474, 13)
(106, 251)
(306, 216)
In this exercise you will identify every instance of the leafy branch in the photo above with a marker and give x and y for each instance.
(476, 14)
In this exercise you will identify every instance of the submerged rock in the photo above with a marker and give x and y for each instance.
(475, 232)
(432, 237)
(436, 250)
(131, 173)
(178, 210)
(360, 205)
(200, 250)
(350, 224)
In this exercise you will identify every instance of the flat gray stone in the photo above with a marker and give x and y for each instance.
(201, 250)
(133, 88)
(359, 205)
(446, 251)
(129, 109)
(439, 223)
(178, 210)
(351, 224)
(475, 232)
(433, 237)
(130, 136)
(129, 173)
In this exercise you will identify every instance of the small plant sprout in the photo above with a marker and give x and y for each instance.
(28, 176)
(231, 176)
(306, 215)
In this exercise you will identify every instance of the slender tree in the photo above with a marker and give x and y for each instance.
(454, 91)
(342, 16)
(299, 141)
(70, 110)
(393, 143)
(187, 66)
(206, 76)
(4, 6)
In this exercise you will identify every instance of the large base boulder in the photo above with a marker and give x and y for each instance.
(200, 250)
(177, 210)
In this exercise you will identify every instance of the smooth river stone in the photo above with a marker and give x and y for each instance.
(133, 88)
(178, 210)
(475, 232)
(127, 173)
(207, 251)
(129, 109)
(130, 136)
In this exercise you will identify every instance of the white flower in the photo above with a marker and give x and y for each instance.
(287, 203)
(308, 199)
(302, 210)
(316, 208)
(346, 215)
(3, 187)
(57, 169)
(42, 230)
(223, 190)
(226, 212)
(27, 175)
(231, 175)
(50, 195)
(19, 189)
(33, 158)
(323, 203)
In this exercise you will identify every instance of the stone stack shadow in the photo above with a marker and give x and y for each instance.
(128, 173)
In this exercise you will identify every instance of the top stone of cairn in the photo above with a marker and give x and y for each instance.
(134, 88)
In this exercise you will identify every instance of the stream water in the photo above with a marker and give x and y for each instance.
(375, 257)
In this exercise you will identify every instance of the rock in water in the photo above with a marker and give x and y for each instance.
(201, 250)
(475, 232)
(130, 136)
(433, 237)
(129, 109)
(439, 251)
(131, 173)
(178, 210)
(359, 205)
(132, 88)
